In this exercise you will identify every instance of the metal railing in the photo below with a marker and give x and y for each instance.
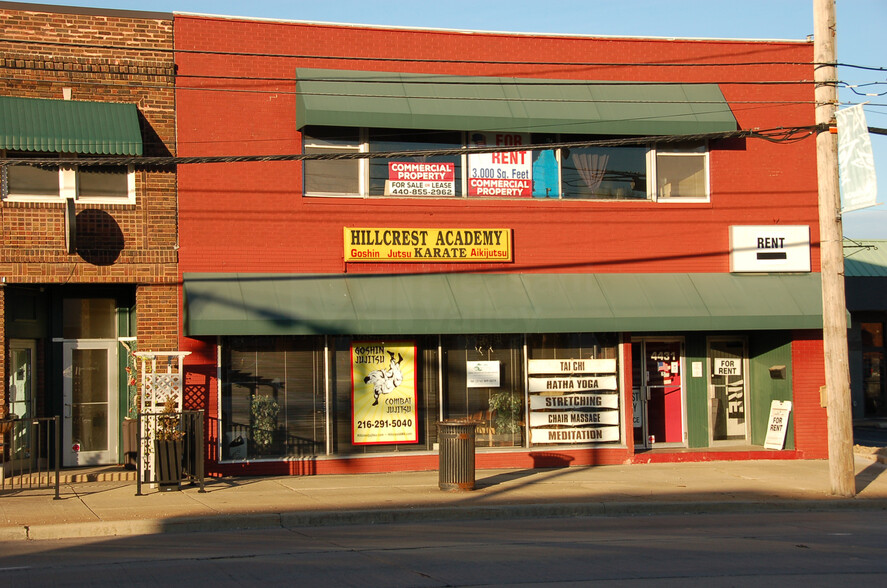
(30, 454)
(189, 464)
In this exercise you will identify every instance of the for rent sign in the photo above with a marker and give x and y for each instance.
(500, 174)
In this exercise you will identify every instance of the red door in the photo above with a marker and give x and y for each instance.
(665, 421)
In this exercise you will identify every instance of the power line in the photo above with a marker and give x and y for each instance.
(775, 135)
(436, 60)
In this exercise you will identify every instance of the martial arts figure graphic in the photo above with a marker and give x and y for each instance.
(384, 381)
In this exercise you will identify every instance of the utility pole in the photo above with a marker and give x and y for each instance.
(831, 249)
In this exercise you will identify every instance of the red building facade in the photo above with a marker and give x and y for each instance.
(566, 239)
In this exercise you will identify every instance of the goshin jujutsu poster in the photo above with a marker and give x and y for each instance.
(383, 393)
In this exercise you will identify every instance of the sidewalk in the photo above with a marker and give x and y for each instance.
(96, 509)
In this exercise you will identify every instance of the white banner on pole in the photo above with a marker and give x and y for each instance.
(856, 164)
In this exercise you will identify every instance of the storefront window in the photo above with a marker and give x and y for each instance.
(385, 394)
(272, 397)
(484, 382)
(873, 353)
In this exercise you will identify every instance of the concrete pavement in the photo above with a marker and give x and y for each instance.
(111, 508)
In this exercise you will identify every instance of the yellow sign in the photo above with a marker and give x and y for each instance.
(427, 245)
(383, 393)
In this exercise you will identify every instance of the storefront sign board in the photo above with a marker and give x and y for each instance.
(585, 401)
(575, 435)
(574, 384)
(571, 366)
(403, 244)
(574, 418)
(383, 393)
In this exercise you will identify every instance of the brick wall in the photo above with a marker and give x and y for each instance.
(101, 56)
(244, 103)
(808, 374)
(107, 56)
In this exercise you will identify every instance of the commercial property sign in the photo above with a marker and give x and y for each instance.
(408, 178)
(383, 393)
(769, 248)
(500, 174)
(397, 244)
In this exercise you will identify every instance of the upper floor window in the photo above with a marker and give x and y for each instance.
(46, 183)
(681, 172)
(428, 164)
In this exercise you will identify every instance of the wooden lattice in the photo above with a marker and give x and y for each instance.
(162, 377)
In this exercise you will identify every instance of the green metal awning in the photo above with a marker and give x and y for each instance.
(69, 126)
(310, 304)
(461, 103)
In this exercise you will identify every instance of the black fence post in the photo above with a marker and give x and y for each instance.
(139, 456)
(58, 455)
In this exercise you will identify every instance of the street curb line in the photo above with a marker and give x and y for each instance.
(293, 520)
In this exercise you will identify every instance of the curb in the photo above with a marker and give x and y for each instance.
(294, 520)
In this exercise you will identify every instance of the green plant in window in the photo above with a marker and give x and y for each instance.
(506, 409)
(263, 421)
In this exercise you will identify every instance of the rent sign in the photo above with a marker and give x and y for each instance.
(500, 174)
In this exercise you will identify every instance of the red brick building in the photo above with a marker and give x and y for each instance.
(88, 261)
(586, 255)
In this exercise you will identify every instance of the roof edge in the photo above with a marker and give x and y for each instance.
(86, 11)
(488, 32)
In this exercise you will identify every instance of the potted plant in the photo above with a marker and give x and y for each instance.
(168, 447)
(506, 408)
(263, 422)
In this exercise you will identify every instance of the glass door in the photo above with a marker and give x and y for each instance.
(728, 397)
(658, 393)
(91, 412)
(21, 399)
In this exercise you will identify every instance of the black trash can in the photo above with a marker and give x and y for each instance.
(456, 439)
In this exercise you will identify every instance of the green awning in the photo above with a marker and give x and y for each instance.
(309, 304)
(69, 126)
(461, 103)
